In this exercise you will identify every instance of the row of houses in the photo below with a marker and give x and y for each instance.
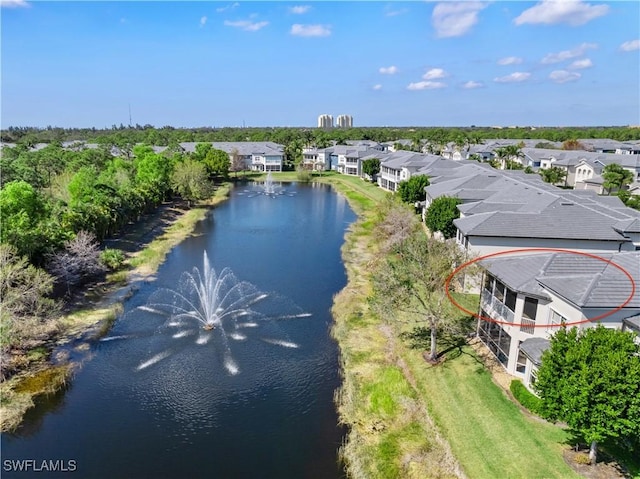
(553, 256)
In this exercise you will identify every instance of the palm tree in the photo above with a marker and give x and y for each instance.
(509, 156)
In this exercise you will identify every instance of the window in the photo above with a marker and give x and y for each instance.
(497, 340)
(555, 320)
(530, 308)
(521, 363)
(534, 375)
(488, 283)
(510, 300)
(499, 291)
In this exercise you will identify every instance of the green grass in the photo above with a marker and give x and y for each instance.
(488, 433)
(385, 393)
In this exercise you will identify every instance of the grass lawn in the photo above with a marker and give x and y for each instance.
(409, 419)
(488, 434)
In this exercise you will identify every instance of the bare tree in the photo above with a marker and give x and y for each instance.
(397, 224)
(27, 312)
(237, 162)
(412, 282)
(79, 260)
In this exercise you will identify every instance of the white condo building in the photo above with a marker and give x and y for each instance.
(325, 121)
(344, 121)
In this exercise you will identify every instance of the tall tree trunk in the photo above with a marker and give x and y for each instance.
(593, 453)
(433, 355)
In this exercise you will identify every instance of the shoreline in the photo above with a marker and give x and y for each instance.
(87, 323)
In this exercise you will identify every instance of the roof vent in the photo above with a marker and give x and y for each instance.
(566, 203)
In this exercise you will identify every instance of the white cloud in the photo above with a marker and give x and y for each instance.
(568, 54)
(563, 76)
(513, 77)
(630, 46)
(14, 3)
(377, 87)
(390, 11)
(453, 19)
(434, 74)
(310, 30)
(300, 9)
(203, 21)
(426, 85)
(470, 85)
(246, 25)
(573, 12)
(581, 64)
(392, 70)
(510, 61)
(227, 7)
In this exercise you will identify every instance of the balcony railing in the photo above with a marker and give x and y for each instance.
(527, 326)
(496, 308)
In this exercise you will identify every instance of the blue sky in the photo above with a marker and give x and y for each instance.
(188, 64)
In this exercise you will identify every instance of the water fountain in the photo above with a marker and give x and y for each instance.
(269, 187)
(211, 305)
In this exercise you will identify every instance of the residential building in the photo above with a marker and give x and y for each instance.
(255, 155)
(505, 210)
(402, 165)
(526, 298)
(344, 121)
(325, 121)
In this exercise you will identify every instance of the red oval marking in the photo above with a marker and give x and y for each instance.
(546, 250)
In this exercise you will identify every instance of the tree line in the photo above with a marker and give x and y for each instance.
(167, 135)
(58, 205)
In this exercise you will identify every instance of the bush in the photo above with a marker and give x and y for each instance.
(303, 176)
(525, 397)
(112, 258)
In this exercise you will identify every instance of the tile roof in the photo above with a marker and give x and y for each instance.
(584, 280)
(533, 349)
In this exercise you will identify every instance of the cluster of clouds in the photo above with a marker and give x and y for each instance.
(454, 19)
(252, 25)
(457, 18)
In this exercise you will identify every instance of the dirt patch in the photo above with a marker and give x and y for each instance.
(605, 468)
(135, 236)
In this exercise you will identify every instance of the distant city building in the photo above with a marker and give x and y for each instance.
(325, 121)
(344, 121)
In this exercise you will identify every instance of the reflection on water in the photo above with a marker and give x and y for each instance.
(214, 306)
(158, 398)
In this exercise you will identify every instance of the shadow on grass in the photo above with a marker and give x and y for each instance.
(450, 343)
(619, 458)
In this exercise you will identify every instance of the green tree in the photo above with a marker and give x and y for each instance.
(411, 282)
(412, 190)
(590, 379)
(153, 174)
(191, 181)
(218, 163)
(553, 175)
(616, 177)
(511, 156)
(440, 215)
(371, 167)
(26, 222)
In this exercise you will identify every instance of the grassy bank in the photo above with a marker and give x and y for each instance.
(391, 434)
(100, 309)
(407, 418)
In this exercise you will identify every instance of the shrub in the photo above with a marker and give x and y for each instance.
(303, 176)
(112, 258)
(525, 397)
